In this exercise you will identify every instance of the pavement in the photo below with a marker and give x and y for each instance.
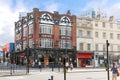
(75, 74)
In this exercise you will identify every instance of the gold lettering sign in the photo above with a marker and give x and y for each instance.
(47, 36)
(63, 37)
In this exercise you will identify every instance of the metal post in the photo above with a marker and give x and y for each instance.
(11, 69)
(52, 62)
(51, 77)
(107, 59)
(64, 69)
(65, 54)
(52, 66)
(59, 66)
(27, 66)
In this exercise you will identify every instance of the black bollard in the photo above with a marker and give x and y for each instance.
(11, 70)
(51, 77)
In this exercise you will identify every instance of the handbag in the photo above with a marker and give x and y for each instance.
(117, 73)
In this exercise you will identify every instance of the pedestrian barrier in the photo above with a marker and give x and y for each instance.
(12, 69)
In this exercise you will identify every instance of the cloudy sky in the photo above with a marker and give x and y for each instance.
(9, 11)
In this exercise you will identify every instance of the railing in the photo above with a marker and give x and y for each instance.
(7, 69)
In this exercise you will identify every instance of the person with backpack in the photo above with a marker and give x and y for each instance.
(114, 72)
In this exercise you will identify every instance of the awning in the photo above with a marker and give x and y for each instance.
(85, 55)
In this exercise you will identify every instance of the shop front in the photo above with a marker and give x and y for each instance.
(85, 59)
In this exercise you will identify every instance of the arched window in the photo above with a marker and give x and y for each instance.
(65, 20)
(46, 17)
(30, 16)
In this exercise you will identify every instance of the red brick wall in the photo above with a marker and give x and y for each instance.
(37, 14)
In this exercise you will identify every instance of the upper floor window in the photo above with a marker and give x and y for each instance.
(46, 42)
(104, 47)
(30, 29)
(96, 34)
(104, 35)
(118, 47)
(88, 33)
(30, 43)
(88, 47)
(96, 24)
(46, 18)
(81, 46)
(65, 20)
(65, 44)
(80, 33)
(96, 47)
(24, 44)
(111, 47)
(118, 36)
(25, 31)
(111, 35)
(111, 25)
(65, 31)
(103, 24)
(46, 29)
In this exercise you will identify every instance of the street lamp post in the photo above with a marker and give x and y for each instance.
(57, 57)
(65, 57)
(27, 55)
(107, 45)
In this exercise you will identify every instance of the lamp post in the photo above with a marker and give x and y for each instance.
(34, 54)
(57, 59)
(27, 55)
(65, 57)
(107, 45)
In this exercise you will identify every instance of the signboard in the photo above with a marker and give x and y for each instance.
(1, 54)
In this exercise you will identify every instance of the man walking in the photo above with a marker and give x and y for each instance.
(114, 72)
(40, 66)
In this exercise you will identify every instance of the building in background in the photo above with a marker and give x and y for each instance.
(49, 36)
(7, 49)
(1, 54)
(92, 34)
(84, 41)
(93, 13)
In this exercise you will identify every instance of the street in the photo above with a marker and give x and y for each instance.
(76, 74)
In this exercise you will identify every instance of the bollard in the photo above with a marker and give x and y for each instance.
(11, 70)
(51, 77)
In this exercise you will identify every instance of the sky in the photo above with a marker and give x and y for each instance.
(9, 11)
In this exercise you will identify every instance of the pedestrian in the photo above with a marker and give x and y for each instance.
(71, 66)
(40, 65)
(36, 62)
(33, 64)
(67, 66)
(114, 71)
(47, 64)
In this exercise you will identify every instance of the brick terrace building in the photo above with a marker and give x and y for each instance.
(50, 36)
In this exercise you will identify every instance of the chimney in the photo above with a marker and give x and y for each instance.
(56, 15)
(98, 16)
(35, 10)
(111, 18)
(68, 12)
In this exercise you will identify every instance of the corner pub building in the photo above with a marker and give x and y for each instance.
(49, 36)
